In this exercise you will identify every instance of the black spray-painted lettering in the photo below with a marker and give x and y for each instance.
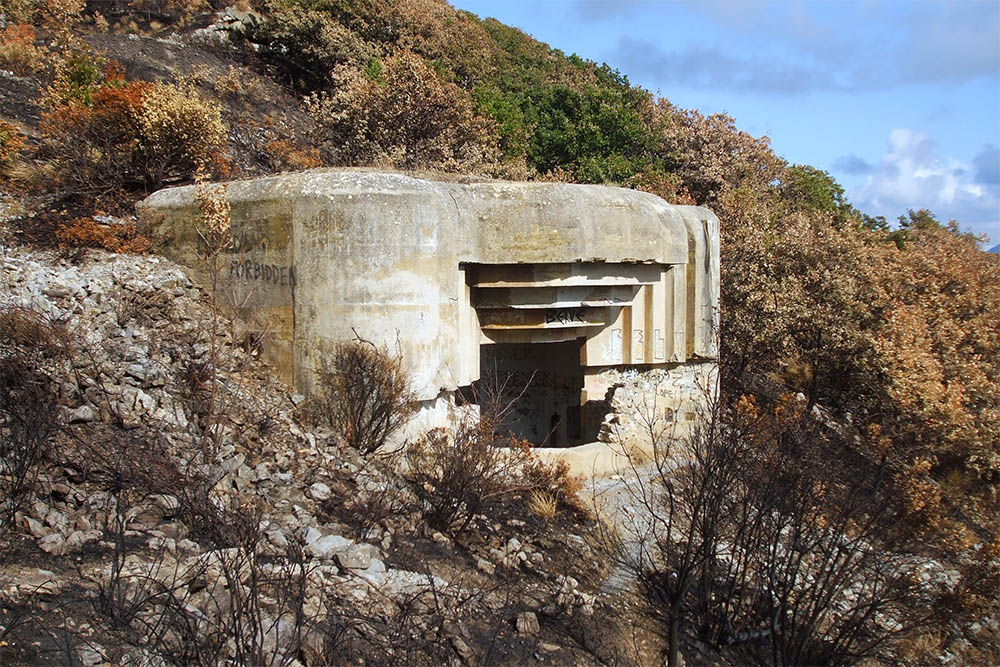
(564, 316)
(268, 273)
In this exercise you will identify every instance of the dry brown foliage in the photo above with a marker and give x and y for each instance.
(18, 51)
(400, 113)
(89, 233)
(11, 144)
(305, 44)
(50, 14)
(893, 329)
(477, 468)
(364, 393)
(710, 156)
(131, 136)
(466, 471)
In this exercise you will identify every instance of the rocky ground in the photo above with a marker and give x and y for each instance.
(180, 518)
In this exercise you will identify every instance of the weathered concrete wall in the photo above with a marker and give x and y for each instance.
(435, 269)
(661, 403)
(323, 252)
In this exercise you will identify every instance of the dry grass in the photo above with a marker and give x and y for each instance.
(27, 328)
(544, 505)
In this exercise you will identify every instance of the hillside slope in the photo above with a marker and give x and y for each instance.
(280, 544)
(888, 331)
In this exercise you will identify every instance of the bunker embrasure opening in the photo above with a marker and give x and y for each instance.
(536, 389)
(549, 330)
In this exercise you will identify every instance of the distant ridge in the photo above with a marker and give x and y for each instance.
(995, 248)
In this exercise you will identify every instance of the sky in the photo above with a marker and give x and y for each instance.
(898, 101)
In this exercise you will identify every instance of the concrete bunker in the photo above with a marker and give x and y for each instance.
(587, 287)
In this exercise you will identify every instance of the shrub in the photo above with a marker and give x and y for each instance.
(364, 393)
(28, 403)
(285, 153)
(89, 233)
(597, 132)
(179, 132)
(53, 14)
(939, 347)
(305, 44)
(77, 74)
(131, 136)
(409, 118)
(228, 605)
(272, 146)
(467, 471)
(18, 52)
(477, 467)
(11, 143)
(754, 543)
(555, 487)
(215, 233)
(712, 157)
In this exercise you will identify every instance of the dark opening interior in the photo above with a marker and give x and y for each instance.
(541, 389)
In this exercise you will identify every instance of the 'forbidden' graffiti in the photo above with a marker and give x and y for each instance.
(268, 273)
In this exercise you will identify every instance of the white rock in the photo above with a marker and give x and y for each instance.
(53, 544)
(90, 655)
(319, 491)
(56, 519)
(36, 527)
(169, 504)
(56, 290)
(277, 538)
(527, 624)
(311, 535)
(82, 414)
(42, 581)
(233, 464)
(354, 557)
(81, 537)
(325, 547)
(485, 566)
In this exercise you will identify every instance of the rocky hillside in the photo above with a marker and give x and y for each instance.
(284, 546)
(164, 498)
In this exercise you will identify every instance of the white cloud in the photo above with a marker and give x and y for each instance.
(913, 175)
(710, 67)
(849, 46)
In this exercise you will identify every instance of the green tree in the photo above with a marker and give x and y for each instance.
(805, 188)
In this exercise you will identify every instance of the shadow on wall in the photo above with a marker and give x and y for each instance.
(539, 390)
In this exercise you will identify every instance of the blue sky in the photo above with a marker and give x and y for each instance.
(899, 101)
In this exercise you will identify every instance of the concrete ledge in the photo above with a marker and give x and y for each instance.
(596, 460)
